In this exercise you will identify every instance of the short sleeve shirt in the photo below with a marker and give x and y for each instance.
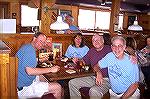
(93, 56)
(122, 73)
(26, 58)
(73, 51)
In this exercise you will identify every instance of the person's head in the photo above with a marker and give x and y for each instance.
(39, 40)
(148, 40)
(69, 19)
(131, 42)
(118, 46)
(98, 41)
(78, 40)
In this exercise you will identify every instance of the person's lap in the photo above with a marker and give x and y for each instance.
(113, 95)
(36, 89)
(90, 82)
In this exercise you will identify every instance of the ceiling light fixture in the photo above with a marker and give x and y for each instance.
(59, 24)
(135, 26)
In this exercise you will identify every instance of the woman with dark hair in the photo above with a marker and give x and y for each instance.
(131, 45)
(131, 49)
(78, 49)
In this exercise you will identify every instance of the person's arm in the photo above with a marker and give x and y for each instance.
(38, 71)
(99, 76)
(130, 91)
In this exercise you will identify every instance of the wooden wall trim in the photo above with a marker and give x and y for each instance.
(14, 41)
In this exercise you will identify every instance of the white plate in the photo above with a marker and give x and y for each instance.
(70, 71)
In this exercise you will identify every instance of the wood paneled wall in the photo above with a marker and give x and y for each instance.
(14, 41)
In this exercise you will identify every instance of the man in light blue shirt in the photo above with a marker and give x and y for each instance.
(123, 74)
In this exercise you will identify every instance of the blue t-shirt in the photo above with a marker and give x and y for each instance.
(26, 58)
(73, 51)
(122, 73)
(73, 27)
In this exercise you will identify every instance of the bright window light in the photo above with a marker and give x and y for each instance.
(120, 25)
(29, 16)
(102, 20)
(90, 19)
(86, 19)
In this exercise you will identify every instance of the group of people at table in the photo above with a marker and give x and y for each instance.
(117, 68)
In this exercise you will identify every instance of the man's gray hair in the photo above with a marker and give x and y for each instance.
(120, 38)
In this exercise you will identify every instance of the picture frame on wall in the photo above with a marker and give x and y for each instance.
(63, 13)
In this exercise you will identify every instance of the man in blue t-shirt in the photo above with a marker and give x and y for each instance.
(29, 84)
(123, 74)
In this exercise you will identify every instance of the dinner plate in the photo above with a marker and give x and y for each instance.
(70, 71)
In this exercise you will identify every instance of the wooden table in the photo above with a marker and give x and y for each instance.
(62, 74)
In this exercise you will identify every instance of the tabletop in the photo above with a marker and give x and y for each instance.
(62, 74)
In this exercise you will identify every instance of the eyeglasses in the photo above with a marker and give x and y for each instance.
(117, 46)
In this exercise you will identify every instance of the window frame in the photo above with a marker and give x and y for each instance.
(26, 29)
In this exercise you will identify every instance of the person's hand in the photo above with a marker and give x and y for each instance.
(68, 32)
(99, 79)
(133, 59)
(146, 50)
(54, 69)
(75, 60)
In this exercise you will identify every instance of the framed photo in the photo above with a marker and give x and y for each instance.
(57, 49)
(63, 13)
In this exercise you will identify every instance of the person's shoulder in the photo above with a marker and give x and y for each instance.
(73, 27)
(25, 46)
(92, 49)
(71, 46)
(86, 47)
(110, 54)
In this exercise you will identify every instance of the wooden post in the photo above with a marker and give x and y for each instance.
(4, 74)
(46, 15)
(114, 19)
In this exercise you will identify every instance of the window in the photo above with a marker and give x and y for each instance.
(120, 25)
(86, 19)
(102, 20)
(29, 16)
(90, 19)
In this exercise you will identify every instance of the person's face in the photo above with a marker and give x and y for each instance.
(40, 41)
(148, 41)
(118, 48)
(97, 41)
(78, 41)
(68, 20)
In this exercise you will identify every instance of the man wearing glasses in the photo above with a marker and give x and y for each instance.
(123, 74)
